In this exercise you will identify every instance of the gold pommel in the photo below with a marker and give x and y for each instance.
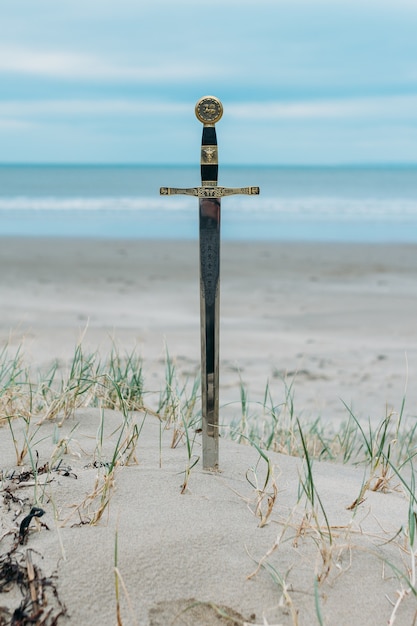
(209, 110)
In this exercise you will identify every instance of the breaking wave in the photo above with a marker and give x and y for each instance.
(265, 208)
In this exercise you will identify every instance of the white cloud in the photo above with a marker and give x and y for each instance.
(13, 125)
(391, 106)
(70, 65)
(387, 107)
(50, 108)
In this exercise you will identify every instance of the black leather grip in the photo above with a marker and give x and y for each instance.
(209, 170)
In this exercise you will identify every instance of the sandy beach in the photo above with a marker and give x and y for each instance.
(337, 321)
(333, 325)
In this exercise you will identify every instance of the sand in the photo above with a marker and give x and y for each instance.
(334, 322)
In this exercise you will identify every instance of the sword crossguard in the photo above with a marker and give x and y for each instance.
(209, 192)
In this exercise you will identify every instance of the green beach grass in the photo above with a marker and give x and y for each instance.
(30, 398)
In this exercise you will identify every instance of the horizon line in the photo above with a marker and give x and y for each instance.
(347, 164)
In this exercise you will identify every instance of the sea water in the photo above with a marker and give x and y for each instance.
(357, 204)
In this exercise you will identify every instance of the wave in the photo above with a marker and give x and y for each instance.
(298, 208)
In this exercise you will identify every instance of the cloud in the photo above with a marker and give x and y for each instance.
(70, 65)
(12, 125)
(398, 107)
(77, 107)
(383, 106)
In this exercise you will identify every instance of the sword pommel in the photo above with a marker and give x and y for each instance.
(209, 110)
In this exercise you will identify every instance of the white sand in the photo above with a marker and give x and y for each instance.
(343, 317)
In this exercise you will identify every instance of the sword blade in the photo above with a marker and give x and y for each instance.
(210, 316)
(209, 221)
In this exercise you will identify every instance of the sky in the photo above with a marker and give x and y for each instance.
(302, 82)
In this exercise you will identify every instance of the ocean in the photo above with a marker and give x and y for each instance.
(351, 204)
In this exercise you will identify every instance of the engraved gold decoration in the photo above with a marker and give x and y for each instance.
(209, 155)
(209, 110)
(209, 192)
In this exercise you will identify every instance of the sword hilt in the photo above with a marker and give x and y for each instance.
(209, 110)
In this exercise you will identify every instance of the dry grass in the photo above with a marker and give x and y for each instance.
(386, 452)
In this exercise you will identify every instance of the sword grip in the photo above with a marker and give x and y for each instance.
(209, 157)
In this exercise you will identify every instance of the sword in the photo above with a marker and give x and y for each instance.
(209, 111)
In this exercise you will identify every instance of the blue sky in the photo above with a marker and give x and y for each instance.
(116, 81)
